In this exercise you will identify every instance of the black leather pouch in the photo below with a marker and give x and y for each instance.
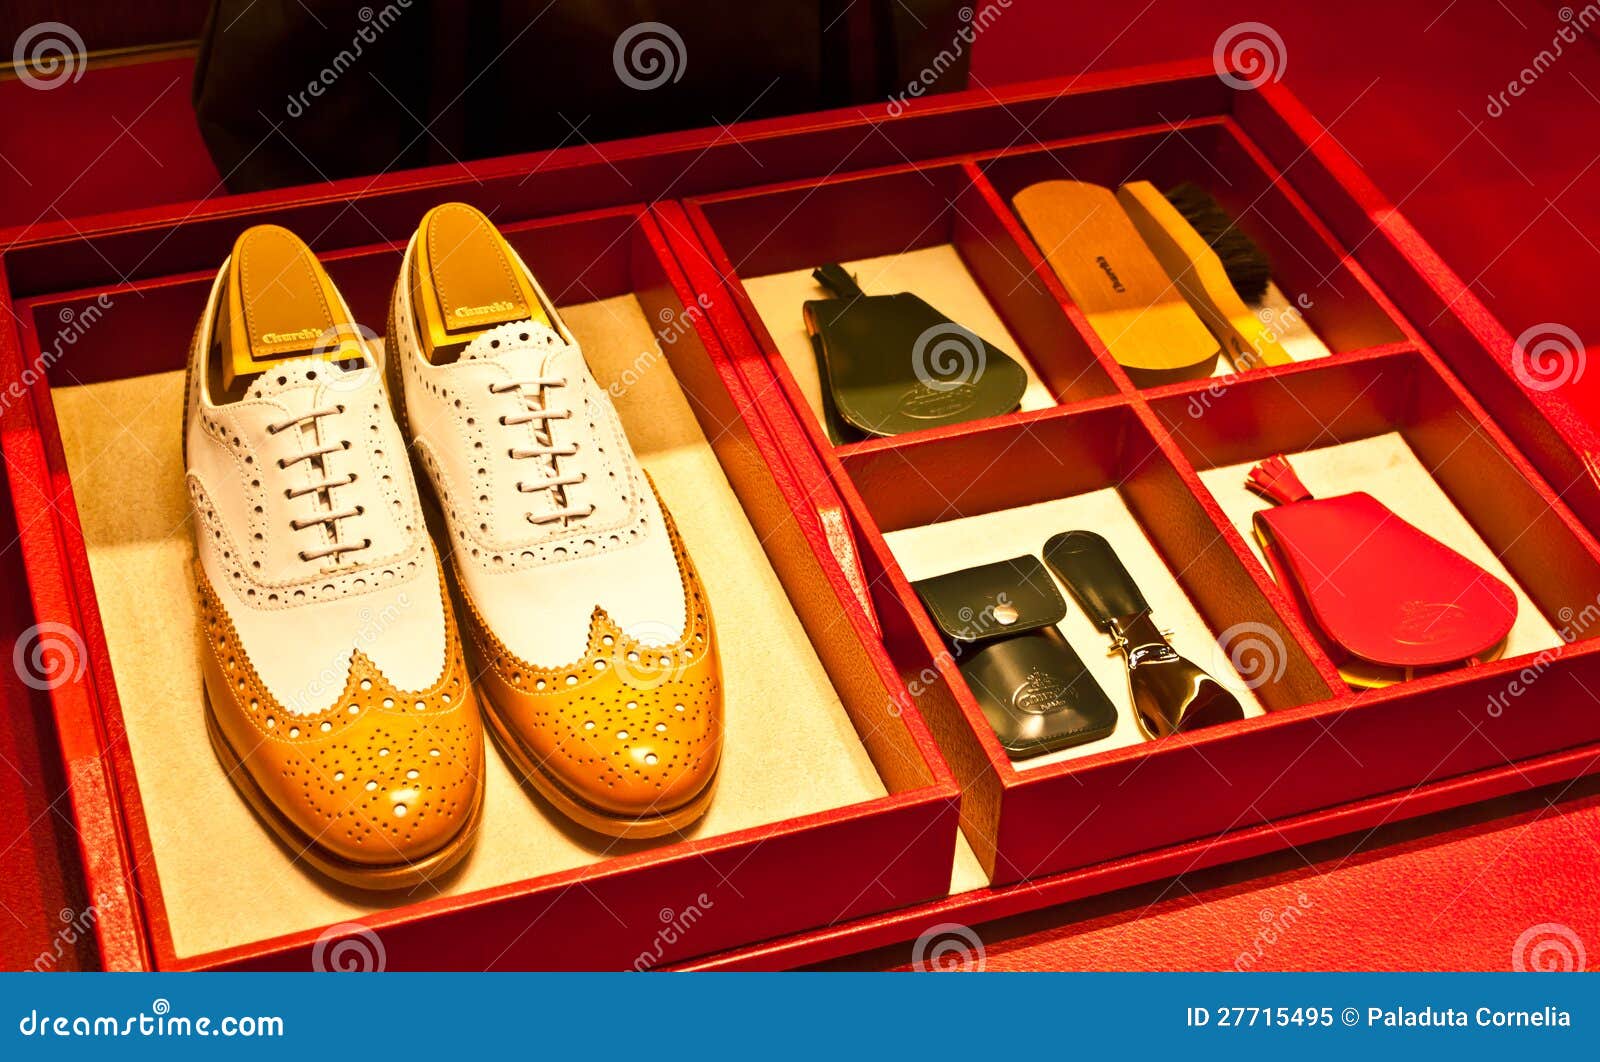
(999, 621)
(891, 364)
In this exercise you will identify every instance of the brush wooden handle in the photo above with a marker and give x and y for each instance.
(1199, 274)
(1141, 316)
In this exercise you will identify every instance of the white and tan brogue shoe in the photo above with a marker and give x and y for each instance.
(338, 697)
(589, 633)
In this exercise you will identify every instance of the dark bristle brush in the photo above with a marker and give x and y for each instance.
(1242, 258)
(1215, 265)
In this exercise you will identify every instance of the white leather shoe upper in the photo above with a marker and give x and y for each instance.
(308, 526)
(550, 514)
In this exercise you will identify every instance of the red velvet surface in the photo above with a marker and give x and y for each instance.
(1510, 202)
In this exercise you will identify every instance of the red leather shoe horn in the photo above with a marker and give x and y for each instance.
(1388, 600)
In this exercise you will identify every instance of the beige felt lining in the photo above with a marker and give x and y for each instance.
(967, 875)
(790, 750)
(936, 274)
(1386, 467)
(934, 549)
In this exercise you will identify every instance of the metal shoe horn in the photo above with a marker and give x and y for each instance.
(1170, 693)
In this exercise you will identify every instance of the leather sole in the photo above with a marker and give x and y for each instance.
(375, 876)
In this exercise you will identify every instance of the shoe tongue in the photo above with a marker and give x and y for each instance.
(523, 344)
(305, 376)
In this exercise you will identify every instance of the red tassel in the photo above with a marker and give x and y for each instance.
(1274, 480)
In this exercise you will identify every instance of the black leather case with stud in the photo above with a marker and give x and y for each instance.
(999, 621)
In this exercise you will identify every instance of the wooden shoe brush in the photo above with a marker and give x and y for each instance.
(1216, 266)
(1170, 693)
(1388, 600)
(1102, 260)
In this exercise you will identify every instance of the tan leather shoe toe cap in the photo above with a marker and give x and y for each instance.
(626, 740)
(381, 790)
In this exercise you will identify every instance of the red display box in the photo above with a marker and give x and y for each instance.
(720, 889)
(1412, 370)
(1413, 360)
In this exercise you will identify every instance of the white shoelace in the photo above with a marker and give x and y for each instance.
(531, 391)
(324, 490)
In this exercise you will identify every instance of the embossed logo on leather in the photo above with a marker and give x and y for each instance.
(1041, 693)
(1424, 622)
(927, 403)
(498, 306)
(299, 336)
